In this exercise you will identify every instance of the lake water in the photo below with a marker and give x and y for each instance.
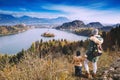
(12, 44)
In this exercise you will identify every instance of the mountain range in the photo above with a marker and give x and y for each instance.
(80, 24)
(7, 19)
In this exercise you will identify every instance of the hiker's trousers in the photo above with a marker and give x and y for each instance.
(87, 67)
(78, 70)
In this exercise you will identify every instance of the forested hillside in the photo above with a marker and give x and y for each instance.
(112, 39)
(52, 60)
(7, 30)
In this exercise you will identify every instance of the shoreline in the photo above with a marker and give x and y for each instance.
(74, 33)
(8, 34)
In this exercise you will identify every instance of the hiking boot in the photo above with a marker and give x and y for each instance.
(94, 75)
(88, 75)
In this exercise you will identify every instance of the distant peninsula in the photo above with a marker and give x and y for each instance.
(80, 28)
(9, 30)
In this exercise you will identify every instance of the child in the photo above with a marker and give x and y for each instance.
(98, 40)
(77, 61)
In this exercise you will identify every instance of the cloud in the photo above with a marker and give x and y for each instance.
(32, 14)
(97, 5)
(87, 14)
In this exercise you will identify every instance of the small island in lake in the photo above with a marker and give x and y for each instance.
(46, 34)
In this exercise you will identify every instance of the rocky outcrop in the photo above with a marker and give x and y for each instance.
(115, 70)
(112, 73)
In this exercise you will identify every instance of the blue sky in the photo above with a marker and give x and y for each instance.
(105, 11)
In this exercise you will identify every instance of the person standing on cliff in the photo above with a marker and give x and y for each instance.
(93, 52)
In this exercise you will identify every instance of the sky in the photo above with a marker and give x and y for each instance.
(104, 11)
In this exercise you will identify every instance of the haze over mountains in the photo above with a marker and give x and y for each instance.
(6, 19)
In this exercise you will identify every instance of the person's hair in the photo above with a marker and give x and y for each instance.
(78, 53)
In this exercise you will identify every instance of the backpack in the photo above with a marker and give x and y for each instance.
(93, 48)
(95, 51)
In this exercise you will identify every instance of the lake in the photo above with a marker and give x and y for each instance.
(13, 44)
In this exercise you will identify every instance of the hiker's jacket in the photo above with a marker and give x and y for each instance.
(77, 60)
